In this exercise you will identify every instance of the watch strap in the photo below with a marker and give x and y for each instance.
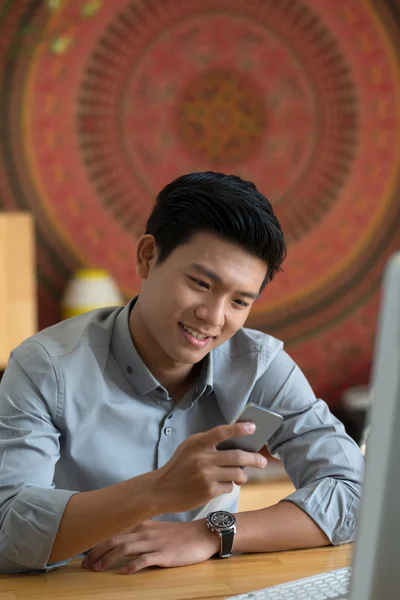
(227, 538)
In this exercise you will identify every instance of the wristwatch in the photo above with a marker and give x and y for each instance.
(224, 524)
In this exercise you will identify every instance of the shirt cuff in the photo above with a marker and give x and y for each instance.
(30, 528)
(332, 505)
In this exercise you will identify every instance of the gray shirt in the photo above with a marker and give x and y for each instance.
(79, 411)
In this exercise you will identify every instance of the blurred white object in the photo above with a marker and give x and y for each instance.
(356, 398)
(364, 440)
(90, 289)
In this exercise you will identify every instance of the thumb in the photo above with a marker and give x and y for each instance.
(264, 452)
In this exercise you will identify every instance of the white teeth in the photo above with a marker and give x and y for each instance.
(194, 333)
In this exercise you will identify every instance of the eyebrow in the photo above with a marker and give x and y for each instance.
(215, 277)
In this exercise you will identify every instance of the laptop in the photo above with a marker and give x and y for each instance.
(376, 566)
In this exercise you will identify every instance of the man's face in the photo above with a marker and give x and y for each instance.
(199, 296)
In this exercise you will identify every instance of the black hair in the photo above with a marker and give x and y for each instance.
(225, 205)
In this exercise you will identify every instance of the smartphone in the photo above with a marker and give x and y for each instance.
(267, 423)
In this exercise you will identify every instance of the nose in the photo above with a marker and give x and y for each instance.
(212, 312)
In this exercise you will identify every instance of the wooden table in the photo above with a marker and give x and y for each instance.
(214, 579)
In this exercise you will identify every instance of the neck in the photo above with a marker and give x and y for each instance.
(176, 377)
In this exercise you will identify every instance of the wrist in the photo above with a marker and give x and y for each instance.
(212, 539)
(163, 495)
(223, 524)
(149, 501)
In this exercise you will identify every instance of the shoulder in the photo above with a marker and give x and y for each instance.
(246, 342)
(239, 365)
(254, 367)
(89, 331)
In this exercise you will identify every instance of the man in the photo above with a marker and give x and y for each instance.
(110, 422)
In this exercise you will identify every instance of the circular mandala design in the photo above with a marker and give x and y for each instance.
(206, 108)
(221, 117)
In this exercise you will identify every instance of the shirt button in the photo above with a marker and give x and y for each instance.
(129, 369)
(167, 430)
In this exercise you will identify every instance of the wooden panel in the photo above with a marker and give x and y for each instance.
(18, 306)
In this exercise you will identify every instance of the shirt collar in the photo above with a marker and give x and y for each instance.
(205, 383)
(127, 356)
(134, 368)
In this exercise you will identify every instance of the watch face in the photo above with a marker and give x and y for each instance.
(222, 519)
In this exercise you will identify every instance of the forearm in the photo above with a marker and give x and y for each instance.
(283, 526)
(92, 517)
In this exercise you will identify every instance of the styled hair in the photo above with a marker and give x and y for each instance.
(225, 205)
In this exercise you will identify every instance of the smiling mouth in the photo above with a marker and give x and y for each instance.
(195, 334)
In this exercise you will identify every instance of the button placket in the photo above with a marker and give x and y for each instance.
(169, 435)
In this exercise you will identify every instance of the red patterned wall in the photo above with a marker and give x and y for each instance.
(104, 102)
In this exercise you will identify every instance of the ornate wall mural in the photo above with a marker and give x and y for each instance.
(103, 103)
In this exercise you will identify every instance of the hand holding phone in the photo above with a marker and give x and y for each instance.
(267, 423)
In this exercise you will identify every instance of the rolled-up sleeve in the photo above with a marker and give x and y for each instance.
(325, 465)
(30, 507)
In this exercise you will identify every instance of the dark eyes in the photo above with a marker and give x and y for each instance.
(241, 303)
(205, 286)
(200, 283)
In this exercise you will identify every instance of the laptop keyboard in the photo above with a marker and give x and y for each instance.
(332, 584)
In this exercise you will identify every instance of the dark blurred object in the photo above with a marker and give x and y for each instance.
(353, 411)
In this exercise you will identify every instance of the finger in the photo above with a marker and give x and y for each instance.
(219, 434)
(121, 551)
(240, 458)
(151, 559)
(234, 474)
(98, 551)
(143, 526)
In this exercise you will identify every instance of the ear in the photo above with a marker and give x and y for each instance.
(146, 255)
